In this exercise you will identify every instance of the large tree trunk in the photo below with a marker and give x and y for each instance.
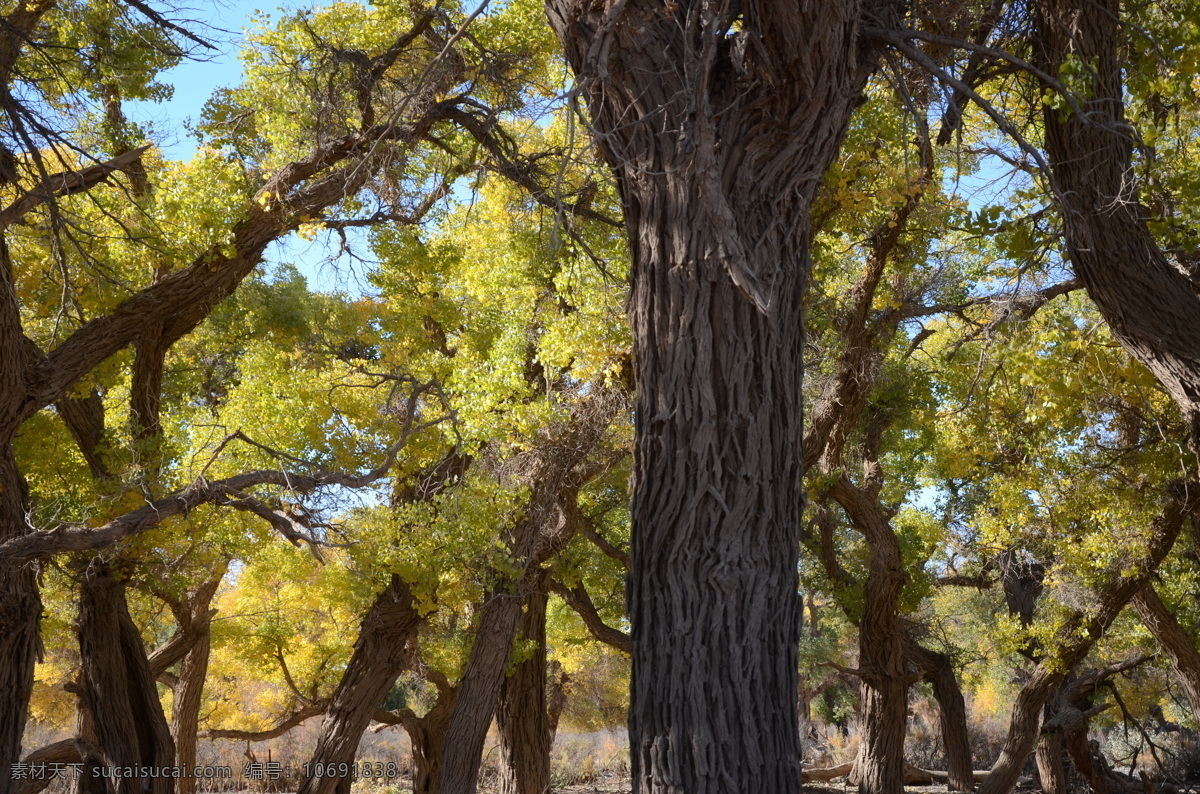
(119, 689)
(1152, 308)
(521, 717)
(20, 612)
(1179, 648)
(380, 655)
(719, 120)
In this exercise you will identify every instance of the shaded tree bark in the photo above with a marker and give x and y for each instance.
(428, 737)
(380, 655)
(119, 689)
(1052, 772)
(522, 717)
(882, 659)
(1176, 644)
(188, 686)
(1152, 307)
(718, 120)
(936, 670)
(20, 610)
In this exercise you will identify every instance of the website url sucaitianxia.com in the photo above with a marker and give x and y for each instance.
(51, 771)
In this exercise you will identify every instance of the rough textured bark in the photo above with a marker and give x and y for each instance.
(428, 737)
(1025, 721)
(119, 689)
(1151, 307)
(718, 120)
(936, 670)
(1052, 772)
(882, 659)
(380, 655)
(63, 752)
(1175, 643)
(20, 609)
(521, 717)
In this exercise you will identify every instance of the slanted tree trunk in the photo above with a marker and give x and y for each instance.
(1175, 643)
(555, 470)
(521, 717)
(937, 671)
(718, 120)
(1151, 306)
(119, 689)
(556, 697)
(380, 655)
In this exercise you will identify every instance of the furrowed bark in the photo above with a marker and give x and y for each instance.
(937, 670)
(718, 136)
(20, 610)
(428, 737)
(884, 674)
(1176, 644)
(193, 672)
(1152, 308)
(119, 689)
(521, 717)
(380, 655)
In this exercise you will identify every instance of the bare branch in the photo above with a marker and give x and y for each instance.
(283, 726)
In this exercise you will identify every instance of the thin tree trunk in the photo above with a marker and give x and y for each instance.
(380, 655)
(119, 689)
(719, 120)
(521, 717)
(20, 613)
(555, 470)
(185, 715)
(556, 697)
(1179, 648)
(882, 646)
(189, 687)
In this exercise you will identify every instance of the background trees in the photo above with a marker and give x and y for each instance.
(444, 447)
